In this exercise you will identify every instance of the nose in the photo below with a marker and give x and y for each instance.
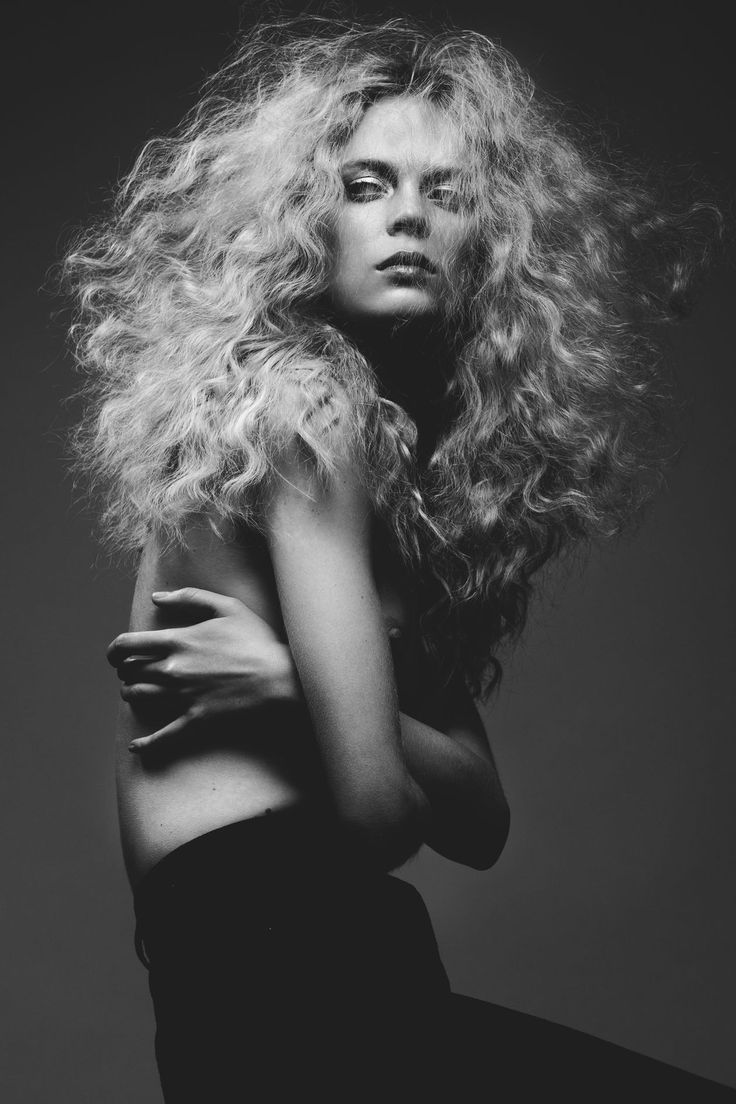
(407, 215)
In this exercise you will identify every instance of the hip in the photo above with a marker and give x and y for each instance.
(279, 898)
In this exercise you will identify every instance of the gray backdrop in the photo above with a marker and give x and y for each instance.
(612, 908)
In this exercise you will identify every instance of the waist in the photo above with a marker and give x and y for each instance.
(280, 850)
(205, 780)
(290, 876)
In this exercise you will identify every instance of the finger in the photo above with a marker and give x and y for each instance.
(218, 605)
(142, 693)
(153, 642)
(161, 736)
(144, 669)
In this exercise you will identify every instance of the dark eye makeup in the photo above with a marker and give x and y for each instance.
(446, 196)
(363, 189)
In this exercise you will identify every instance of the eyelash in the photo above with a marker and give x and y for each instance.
(356, 193)
(355, 189)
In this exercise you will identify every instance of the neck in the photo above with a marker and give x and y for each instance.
(412, 360)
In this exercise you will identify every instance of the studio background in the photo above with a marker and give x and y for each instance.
(612, 908)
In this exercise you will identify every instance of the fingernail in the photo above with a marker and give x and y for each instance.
(133, 746)
(160, 594)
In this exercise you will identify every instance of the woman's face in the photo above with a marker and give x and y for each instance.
(402, 220)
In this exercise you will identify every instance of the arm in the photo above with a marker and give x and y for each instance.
(454, 766)
(319, 541)
(230, 661)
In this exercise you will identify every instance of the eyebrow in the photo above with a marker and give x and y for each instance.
(385, 168)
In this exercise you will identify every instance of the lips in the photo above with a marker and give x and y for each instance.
(407, 261)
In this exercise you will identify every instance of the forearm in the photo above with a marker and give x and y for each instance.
(365, 766)
(468, 814)
(465, 814)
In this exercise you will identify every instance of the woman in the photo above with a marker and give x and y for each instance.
(366, 343)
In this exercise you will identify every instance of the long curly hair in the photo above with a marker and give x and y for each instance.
(199, 323)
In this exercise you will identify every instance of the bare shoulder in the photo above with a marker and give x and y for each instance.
(318, 478)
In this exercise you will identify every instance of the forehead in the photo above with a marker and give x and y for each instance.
(407, 132)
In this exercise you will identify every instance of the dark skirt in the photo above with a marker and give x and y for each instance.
(278, 971)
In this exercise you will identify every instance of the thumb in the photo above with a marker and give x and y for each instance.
(217, 605)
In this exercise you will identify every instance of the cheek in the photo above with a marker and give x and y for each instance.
(453, 232)
(343, 247)
(348, 271)
(456, 245)
(358, 228)
(352, 250)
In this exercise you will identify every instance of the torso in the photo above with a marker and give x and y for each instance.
(271, 761)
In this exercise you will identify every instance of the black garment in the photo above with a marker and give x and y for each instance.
(279, 973)
(276, 971)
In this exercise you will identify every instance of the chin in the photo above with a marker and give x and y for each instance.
(409, 304)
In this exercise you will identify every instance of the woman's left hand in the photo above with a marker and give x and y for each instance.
(229, 662)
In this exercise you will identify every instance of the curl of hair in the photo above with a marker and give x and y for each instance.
(206, 352)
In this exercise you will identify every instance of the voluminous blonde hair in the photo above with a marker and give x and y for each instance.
(207, 353)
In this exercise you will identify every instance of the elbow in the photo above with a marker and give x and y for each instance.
(475, 840)
(387, 827)
(489, 843)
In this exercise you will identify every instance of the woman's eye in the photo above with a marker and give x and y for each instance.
(445, 196)
(364, 189)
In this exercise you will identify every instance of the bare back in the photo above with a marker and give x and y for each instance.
(269, 761)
